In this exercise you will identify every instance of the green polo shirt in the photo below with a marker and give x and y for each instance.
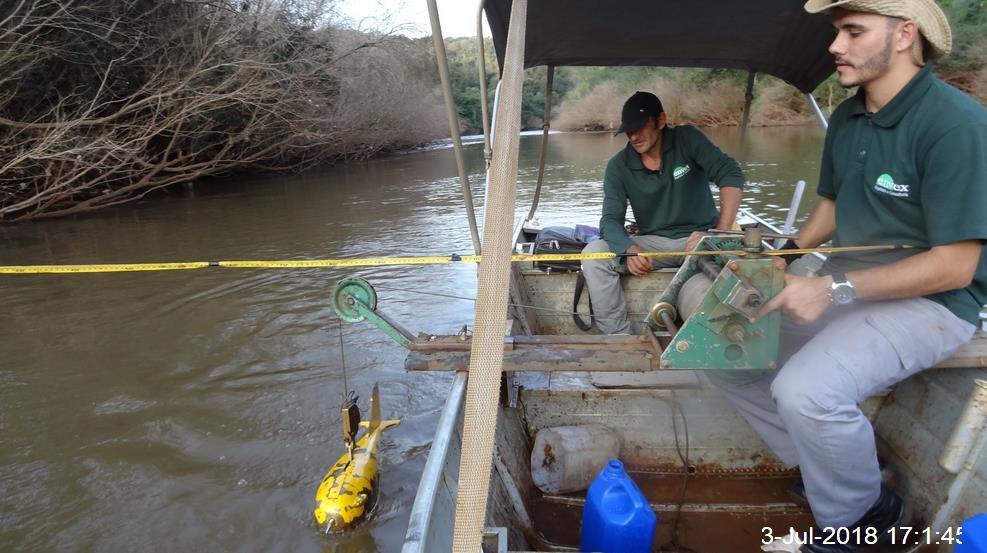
(913, 173)
(673, 201)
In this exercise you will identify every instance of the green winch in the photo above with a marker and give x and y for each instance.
(715, 296)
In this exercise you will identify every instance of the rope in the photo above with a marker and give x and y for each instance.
(342, 358)
(512, 304)
(414, 260)
(487, 352)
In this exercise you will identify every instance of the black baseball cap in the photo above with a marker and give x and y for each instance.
(637, 109)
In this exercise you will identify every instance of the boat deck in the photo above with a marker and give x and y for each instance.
(720, 512)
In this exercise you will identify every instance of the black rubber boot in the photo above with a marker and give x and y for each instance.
(888, 511)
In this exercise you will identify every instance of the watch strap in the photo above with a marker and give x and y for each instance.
(792, 257)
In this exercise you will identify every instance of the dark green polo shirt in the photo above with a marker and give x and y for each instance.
(913, 173)
(673, 201)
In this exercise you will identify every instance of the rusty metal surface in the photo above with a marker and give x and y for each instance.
(720, 513)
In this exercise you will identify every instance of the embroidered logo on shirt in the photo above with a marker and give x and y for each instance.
(681, 171)
(886, 185)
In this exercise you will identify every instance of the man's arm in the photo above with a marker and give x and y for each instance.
(942, 268)
(729, 204)
(614, 211)
(946, 267)
(722, 170)
(820, 226)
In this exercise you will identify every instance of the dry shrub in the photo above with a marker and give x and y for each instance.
(777, 103)
(106, 101)
(718, 103)
(598, 109)
(714, 104)
(382, 104)
(978, 84)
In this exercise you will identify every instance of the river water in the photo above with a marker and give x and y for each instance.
(198, 410)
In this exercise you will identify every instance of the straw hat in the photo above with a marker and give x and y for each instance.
(929, 18)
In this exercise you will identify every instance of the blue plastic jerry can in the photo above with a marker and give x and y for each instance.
(973, 538)
(617, 517)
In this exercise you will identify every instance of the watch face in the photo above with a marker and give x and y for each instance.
(842, 293)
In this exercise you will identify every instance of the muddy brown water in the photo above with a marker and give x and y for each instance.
(198, 410)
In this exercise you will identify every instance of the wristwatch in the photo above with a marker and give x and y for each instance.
(841, 291)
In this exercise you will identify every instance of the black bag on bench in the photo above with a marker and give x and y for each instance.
(563, 240)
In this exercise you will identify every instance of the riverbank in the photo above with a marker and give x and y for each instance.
(105, 102)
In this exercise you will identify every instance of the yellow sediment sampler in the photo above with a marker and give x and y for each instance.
(348, 492)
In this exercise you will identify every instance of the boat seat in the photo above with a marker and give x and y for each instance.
(973, 354)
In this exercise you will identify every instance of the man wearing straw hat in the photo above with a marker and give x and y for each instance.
(904, 162)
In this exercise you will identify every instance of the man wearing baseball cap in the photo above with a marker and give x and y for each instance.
(664, 174)
(904, 163)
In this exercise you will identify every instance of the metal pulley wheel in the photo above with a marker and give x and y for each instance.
(347, 292)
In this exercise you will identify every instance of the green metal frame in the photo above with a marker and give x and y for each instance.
(719, 335)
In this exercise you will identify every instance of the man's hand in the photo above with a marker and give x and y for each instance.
(694, 239)
(804, 299)
(638, 266)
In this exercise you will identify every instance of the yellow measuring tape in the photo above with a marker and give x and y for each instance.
(381, 261)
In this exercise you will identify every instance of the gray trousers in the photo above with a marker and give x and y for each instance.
(807, 410)
(603, 279)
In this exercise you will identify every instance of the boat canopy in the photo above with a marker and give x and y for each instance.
(776, 37)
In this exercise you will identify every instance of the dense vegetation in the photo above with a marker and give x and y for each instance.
(586, 98)
(105, 101)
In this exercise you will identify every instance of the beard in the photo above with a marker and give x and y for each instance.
(871, 68)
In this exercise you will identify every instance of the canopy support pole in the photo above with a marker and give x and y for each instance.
(487, 349)
(493, 129)
(793, 210)
(748, 98)
(546, 125)
(482, 66)
(819, 113)
(453, 116)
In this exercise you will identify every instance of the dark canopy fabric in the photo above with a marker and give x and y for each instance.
(776, 37)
